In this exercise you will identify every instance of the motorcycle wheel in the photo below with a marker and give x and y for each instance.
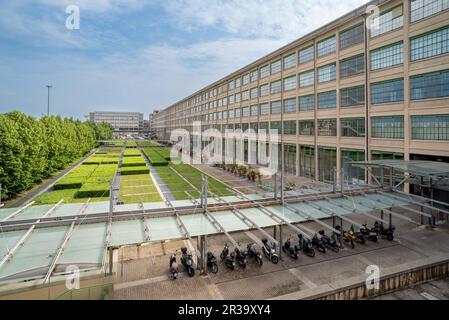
(214, 268)
(362, 240)
(373, 239)
(190, 272)
(259, 261)
(275, 259)
(335, 249)
(321, 249)
(222, 257)
(311, 253)
(390, 237)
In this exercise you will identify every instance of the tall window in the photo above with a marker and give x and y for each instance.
(290, 83)
(352, 66)
(327, 46)
(327, 127)
(306, 55)
(306, 127)
(352, 36)
(425, 8)
(387, 56)
(290, 105)
(238, 82)
(245, 95)
(231, 114)
(264, 90)
(231, 99)
(231, 85)
(290, 61)
(275, 127)
(327, 161)
(254, 93)
(387, 127)
(245, 79)
(430, 44)
(290, 158)
(290, 127)
(238, 97)
(307, 161)
(354, 96)
(327, 73)
(276, 107)
(254, 110)
(387, 91)
(306, 79)
(353, 127)
(263, 126)
(351, 171)
(327, 100)
(276, 67)
(264, 109)
(307, 103)
(388, 21)
(245, 112)
(435, 127)
(276, 87)
(254, 75)
(264, 71)
(430, 85)
(238, 113)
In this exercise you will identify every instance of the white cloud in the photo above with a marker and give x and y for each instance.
(282, 19)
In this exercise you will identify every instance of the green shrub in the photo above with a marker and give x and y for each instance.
(69, 183)
(134, 170)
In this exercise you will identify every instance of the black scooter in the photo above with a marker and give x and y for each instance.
(290, 250)
(329, 242)
(306, 246)
(318, 243)
(212, 262)
(253, 253)
(173, 266)
(240, 257)
(371, 234)
(270, 251)
(229, 259)
(387, 233)
(187, 262)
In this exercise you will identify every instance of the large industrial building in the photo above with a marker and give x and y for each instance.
(121, 122)
(356, 89)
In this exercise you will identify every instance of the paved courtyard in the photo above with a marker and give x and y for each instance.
(142, 272)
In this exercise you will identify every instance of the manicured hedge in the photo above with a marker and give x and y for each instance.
(156, 159)
(69, 183)
(93, 190)
(125, 171)
(101, 160)
(133, 162)
(132, 153)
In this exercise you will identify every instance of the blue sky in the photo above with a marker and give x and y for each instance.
(139, 55)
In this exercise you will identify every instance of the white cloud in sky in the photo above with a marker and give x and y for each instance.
(156, 75)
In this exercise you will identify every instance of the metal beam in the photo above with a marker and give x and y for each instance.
(182, 227)
(416, 202)
(12, 215)
(59, 252)
(333, 214)
(358, 212)
(309, 217)
(253, 225)
(22, 240)
(220, 228)
(146, 230)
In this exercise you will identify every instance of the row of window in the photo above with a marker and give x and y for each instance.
(433, 127)
(428, 45)
(425, 86)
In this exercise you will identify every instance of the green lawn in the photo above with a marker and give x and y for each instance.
(137, 189)
(177, 185)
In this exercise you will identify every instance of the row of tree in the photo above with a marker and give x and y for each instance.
(32, 149)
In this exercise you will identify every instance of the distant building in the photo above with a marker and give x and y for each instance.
(121, 122)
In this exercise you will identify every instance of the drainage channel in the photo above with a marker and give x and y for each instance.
(116, 183)
(164, 190)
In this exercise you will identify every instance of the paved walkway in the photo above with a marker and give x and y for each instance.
(145, 275)
(46, 185)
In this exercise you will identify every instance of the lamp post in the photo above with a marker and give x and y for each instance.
(48, 101)
(1, 204)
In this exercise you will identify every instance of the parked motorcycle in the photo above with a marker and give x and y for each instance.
(270, 251)
(212, 262)
(173, 266)
(229, 259)
(318, 243)
(371, 234)
(290, 250)
(253, 253)
(347, 237)
(306, 246)
(357, 236)
(329, 242)
(187, 262)
(240, 257)
(387, 233)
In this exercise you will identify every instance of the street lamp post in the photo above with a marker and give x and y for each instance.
(48, 101)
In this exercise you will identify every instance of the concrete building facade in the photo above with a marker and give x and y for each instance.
(122, 122)
(356, 89)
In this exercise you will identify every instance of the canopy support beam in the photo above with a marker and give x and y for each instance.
(15, 213)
